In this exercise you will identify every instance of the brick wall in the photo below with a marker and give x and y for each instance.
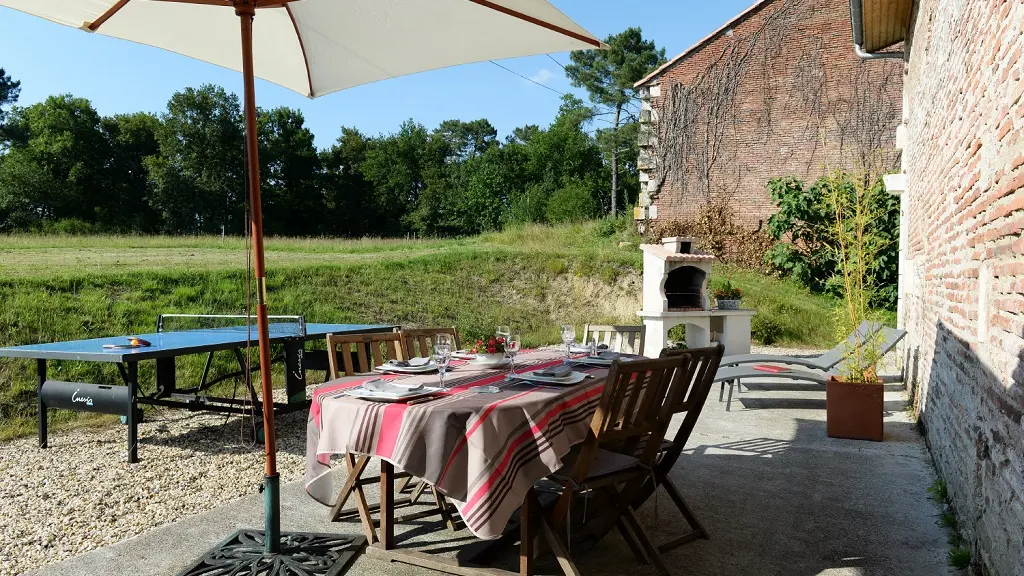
(801, 102)
(963, 278)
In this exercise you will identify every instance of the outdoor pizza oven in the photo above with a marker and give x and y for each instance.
(684, 288)
(676, 276)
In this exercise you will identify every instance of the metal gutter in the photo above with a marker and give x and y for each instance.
(857, 23)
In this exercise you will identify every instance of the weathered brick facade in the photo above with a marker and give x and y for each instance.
(783, 94)
(962, 282)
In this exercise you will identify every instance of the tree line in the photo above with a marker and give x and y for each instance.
(65, 167)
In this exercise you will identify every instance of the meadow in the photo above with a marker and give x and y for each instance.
(532, 277)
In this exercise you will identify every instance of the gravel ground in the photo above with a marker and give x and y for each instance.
(80, 494)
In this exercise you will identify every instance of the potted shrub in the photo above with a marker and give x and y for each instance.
(855, 396)
(728, 297)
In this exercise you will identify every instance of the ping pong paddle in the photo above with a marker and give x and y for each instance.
(133, 342)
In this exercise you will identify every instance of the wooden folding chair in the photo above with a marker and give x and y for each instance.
(629, 339)
(419, 342)
(371, 350)
(697, 376)
(631, 418)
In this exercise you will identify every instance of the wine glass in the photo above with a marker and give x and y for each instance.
(503, 332)
(511, 349)
(442, 356)
(445, 339)
(568, 336)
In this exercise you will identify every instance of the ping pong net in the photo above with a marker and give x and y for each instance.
(279, 325)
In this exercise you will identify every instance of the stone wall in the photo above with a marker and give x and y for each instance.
(777, 92)
(963, 277)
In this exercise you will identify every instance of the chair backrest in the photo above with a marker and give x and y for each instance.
(839, 352)
(420, 341)
(693, 380)
(885, 338)
(632, 413)
(618, 338)
(369, 350)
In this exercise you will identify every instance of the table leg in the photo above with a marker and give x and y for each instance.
(40, 378)
(387, 505)
(166, 378)
(526, 534)
(133, 423)
(294, 372)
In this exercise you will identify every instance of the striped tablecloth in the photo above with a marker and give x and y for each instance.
(484, 451)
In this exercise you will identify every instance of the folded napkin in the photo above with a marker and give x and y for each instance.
(560, 371)
(410, 363)
(606, 355)
(602, 346)
(388, 387)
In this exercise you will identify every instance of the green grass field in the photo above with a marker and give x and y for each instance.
(534, 278)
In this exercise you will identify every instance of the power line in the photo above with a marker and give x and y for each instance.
(545, 86)
(555, 61)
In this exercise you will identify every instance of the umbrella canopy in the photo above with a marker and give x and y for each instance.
(316, 47)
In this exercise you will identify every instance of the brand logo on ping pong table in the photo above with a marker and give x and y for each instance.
(87, 400)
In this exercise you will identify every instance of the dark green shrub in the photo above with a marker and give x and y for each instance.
(960, 558)
(572, 203)
(765, 329)
(805, 241)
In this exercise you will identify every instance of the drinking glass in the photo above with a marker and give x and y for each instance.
(511, 349)
(442, 356)
(568, 337)
(503, 332)
(445, 339)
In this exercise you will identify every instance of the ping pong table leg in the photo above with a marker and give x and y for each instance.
(294, 371)
(166, 383)
(40, 378)
(133, 423)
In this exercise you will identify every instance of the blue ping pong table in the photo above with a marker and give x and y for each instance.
(164, 348)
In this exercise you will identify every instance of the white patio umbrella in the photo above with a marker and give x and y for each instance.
(316, 47)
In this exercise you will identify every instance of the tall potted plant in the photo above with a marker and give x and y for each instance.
(855, 395)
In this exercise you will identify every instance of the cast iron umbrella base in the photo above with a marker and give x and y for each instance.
(301, 554)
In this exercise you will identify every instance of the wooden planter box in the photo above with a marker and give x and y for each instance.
(854, 410)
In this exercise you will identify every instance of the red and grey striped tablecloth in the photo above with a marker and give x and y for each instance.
(484, 451)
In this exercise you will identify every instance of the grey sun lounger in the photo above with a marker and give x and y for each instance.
(890, 337)
(826, 361)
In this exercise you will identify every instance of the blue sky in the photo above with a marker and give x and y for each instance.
(119, 76)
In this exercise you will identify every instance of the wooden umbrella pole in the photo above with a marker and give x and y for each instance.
(246, 11)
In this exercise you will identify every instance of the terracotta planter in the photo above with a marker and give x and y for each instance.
(854, 410)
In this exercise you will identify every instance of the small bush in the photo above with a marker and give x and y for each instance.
(960, 558)
(765, 329)
(573, 203)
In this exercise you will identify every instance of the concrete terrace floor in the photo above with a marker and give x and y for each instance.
(775, 493)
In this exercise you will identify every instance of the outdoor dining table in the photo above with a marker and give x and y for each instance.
(483, 451)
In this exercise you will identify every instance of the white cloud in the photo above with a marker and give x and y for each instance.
(542, 76)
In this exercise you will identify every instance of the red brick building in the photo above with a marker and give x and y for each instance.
(962, 253)
(777, 91)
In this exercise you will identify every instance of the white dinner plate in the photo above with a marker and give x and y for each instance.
(571, 379)
(386, 368)
(463, 355)
(392, 395)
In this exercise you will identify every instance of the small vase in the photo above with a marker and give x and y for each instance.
(728, 304)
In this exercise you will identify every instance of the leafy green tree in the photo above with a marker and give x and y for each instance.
(9, 91)
(609, 76)
(349, 203)
(465, 140)
(290, 172)
(132, 139)
(55, 166)
(198, 178)
(399, 166)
